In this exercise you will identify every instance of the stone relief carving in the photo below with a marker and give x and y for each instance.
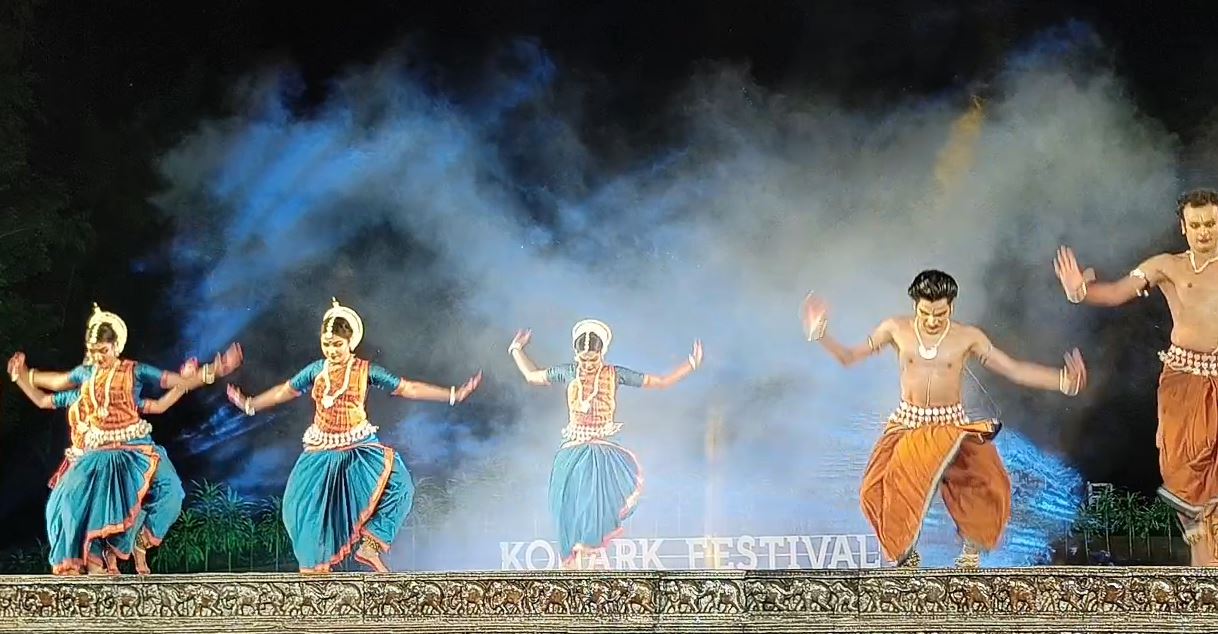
(940, 600)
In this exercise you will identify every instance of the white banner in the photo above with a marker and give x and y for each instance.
(743, 552)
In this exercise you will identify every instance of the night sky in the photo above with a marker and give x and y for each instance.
(91, 94)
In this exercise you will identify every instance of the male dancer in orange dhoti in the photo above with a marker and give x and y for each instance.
(929, 443)
(1188, 386)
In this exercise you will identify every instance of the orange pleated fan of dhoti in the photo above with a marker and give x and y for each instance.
(927, 449)
(1188, 439)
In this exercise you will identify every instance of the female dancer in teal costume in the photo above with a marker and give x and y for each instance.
(347, 486)
(595, 483)
(117, 494)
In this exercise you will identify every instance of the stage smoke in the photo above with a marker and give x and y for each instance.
(449, 222)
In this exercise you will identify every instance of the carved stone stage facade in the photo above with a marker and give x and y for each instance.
(1053, 599)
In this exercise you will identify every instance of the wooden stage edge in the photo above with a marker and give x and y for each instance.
(1048, 599)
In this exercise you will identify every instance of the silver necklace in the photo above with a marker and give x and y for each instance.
(1192, 260)
(931, 352)
(327, 399)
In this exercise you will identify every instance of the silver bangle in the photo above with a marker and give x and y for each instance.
(1068, 390)
(1079, 295)
(817, 332)
(452, 395)
(249, 406)
(514, 348)
(693, 364)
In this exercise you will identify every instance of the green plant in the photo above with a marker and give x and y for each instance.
(26, 560)
(1115, 512)
(221, 529)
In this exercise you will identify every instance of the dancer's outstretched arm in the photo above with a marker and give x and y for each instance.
(51, 380)
(55, 381)
(1069, 379)
(653, 382)
(172, 396)
(46, 400)
(815, 315)
(529, 370)
(20, 376)
(223, 365)
(1081, 286)
(251, 405)
(418, 391)
(279, 394)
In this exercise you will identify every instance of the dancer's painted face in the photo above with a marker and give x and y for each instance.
(335, 348)
(590, 359)
(1200, 226)
(101, 354)
(932, 316)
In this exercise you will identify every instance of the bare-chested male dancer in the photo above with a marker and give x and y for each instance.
(929, 440)
(1188, 386)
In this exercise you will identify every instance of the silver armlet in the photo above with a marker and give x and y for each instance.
(1141, 275)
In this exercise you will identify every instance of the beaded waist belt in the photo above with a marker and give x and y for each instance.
(912, 416)
(72, 453)
(1188, 361)
(95, 437)
(575, 432)
(315, 438)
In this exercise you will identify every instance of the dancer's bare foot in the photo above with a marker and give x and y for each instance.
(141, 562)
(574, 561)
(371, 557)
(970, 557)
(98, 569)
(599, 559)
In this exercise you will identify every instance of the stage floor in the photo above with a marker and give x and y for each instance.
(1050, 599)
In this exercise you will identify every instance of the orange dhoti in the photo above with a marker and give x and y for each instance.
(1188, 441)
(910, 463)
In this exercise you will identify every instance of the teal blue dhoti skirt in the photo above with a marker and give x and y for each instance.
(594, 487)
(108, 497)
(336, 497)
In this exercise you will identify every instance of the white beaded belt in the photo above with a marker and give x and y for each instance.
(95, 437)
(1181, 360)
(913, 416)
(72, 453)
(575, 432)
(315, 438)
